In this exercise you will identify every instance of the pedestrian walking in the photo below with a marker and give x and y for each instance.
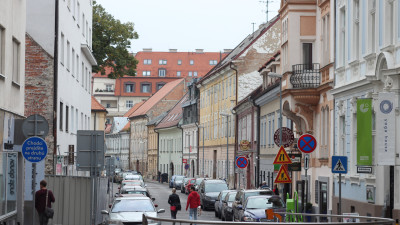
(43, 199)
(276, 190)
(193, 202)
(175, 203)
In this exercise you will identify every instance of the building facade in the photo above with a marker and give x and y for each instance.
(12, 91)
(71, 46)
(368, 60)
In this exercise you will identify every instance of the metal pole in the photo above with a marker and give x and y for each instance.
(306, 192)
(203, 150)
(227, 150)
(280, 111)
(189, 153)
(340, 196)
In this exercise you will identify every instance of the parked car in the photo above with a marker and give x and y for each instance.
(184, 183)
(189, 184)
(131, 209)
(127, 190)
(241, 197)
(133, 177)
(133, 183)
(198, 182)
(255, 206)
(209, 191)
(177, 182)
(218, 202)
(171, 181)
(226, 210)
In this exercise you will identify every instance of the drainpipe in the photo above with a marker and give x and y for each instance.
(257, 182)
(182, 149)
(94, 121)
(55, 85)
(236, 121)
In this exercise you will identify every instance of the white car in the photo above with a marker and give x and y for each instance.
(131, 210)
(134, 177)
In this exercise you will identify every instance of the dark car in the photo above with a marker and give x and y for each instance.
(255, 206)
(177, 182)
(189, 184)
(226, 211)
(218, 202)
(241, 197)
(184, 183)
(198, 182)
(209, 191)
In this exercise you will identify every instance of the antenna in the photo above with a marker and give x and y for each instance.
(267, 2)
(253, 26)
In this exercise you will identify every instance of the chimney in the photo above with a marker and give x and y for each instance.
(227, 50)
(147, 49)
(173, 50)
(199, 50)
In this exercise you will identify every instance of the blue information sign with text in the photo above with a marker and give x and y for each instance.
(34, 149)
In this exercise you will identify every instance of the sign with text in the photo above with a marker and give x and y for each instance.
(34, 149)
(385, 129)
(364, 132)
(11, 176)
(296, 161)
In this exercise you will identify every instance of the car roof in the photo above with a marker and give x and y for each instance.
(215, 181)
(136, 197)
(130, 195)
(264, 196)
(255, 190)
(136, 188)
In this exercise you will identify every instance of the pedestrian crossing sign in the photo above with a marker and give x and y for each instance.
(339, 164)
(282, 157)
(283, 176)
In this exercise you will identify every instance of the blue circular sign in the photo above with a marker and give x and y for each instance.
(34, 149)
(187, 166)
(307, 143)
(242, 162)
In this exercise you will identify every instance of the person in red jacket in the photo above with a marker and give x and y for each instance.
(193, 202)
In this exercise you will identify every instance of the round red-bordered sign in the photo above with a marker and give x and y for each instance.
(287, 137)
(307, 143)
(242, 162)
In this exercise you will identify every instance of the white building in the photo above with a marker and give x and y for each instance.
(12, 88)
(71, 22)
(367, 67)
(118, 147)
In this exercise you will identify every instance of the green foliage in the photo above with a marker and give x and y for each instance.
(111, 40)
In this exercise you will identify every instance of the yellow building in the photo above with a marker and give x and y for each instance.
(98, 118)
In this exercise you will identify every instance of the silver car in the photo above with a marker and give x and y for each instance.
(131, 210)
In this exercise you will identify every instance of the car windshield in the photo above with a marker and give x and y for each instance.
(198, 181)
(264, 203)
(179, 178)
(224, 194)
(133, 205)
(135, 192)
(256, 193)
(133, 183)
(231, 197)
(216, 187)
(192, 181)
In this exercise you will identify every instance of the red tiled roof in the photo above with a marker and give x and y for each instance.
(133, 109)
(127, 126)
(96, 106)
(174, 116)
(156, 98)
(269, 61)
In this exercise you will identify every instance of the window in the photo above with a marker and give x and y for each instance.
(160, 85)
(356, 30)
(82, 75)
(16, 61)
(68, 54)
(307, 56)
(62, 48)
(178, 73)
(147, 62)
(342, 37)
(66, 118)
(162, 62)
(73, 62)
(129, 87)
(146, 88)
(129, 104)
(213, 62)
(61, 115)
(77, 66)
(191, 62)
(179, 62)
(87, 31)
(190, 73)
(72, 119)
(1, 49)
(146, 73)
(87, 76)
(79, 13)
(161, 72)
(83, 24)
(109, 87)
(195, 73)
(76, 119)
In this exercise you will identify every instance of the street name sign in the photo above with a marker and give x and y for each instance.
(34, 149)
(339, 164)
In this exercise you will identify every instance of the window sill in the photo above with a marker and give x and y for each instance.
(2, 77)
(15, 84)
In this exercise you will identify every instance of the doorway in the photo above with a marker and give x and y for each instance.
(171, 169)
(323, 204)
(215, 165)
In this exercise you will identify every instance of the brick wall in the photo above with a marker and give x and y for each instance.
(39, 92)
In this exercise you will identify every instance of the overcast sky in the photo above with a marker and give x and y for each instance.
(186, 25)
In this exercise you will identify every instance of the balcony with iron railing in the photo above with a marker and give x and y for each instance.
(306, 76)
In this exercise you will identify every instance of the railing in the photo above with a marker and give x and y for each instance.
(350, 220)
(306, 75)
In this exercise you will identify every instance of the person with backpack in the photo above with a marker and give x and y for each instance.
(175, 203)
(193, 202)
(43, 200)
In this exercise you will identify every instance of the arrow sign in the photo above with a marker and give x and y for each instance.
(282, 157)
(339, 164)
(306, 161)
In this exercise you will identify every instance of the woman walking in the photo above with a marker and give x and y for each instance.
(175, 203)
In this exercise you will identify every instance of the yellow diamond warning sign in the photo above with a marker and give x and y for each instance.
(282, 157)
(283, 176)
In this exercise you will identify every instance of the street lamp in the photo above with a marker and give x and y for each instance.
(276, 75)
(202, 168)
(227, 143)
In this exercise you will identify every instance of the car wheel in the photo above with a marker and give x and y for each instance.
(220, 215)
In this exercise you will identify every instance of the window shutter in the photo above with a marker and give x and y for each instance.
(316, 191)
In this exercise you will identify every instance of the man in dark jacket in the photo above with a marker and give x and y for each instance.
(40, 202)
(175, 203)
(193, 202)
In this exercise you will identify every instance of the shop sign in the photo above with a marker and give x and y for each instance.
(245, 145)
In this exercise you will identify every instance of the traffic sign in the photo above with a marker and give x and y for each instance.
(282, 157)
(287, 137)
(34, 149)
(35, 125)
(339, 164)
(187, 166)
(283, 176)
(184, 160)
(307, 161)
(307, 143)
(242, 162)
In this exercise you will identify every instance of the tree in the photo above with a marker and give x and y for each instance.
(111, 40)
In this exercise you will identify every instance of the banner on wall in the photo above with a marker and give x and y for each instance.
(364, 132)
(385, 129)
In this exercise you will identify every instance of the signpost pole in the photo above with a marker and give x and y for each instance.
(340, 196)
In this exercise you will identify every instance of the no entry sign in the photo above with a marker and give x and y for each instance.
(307, 143)
(242, 162)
